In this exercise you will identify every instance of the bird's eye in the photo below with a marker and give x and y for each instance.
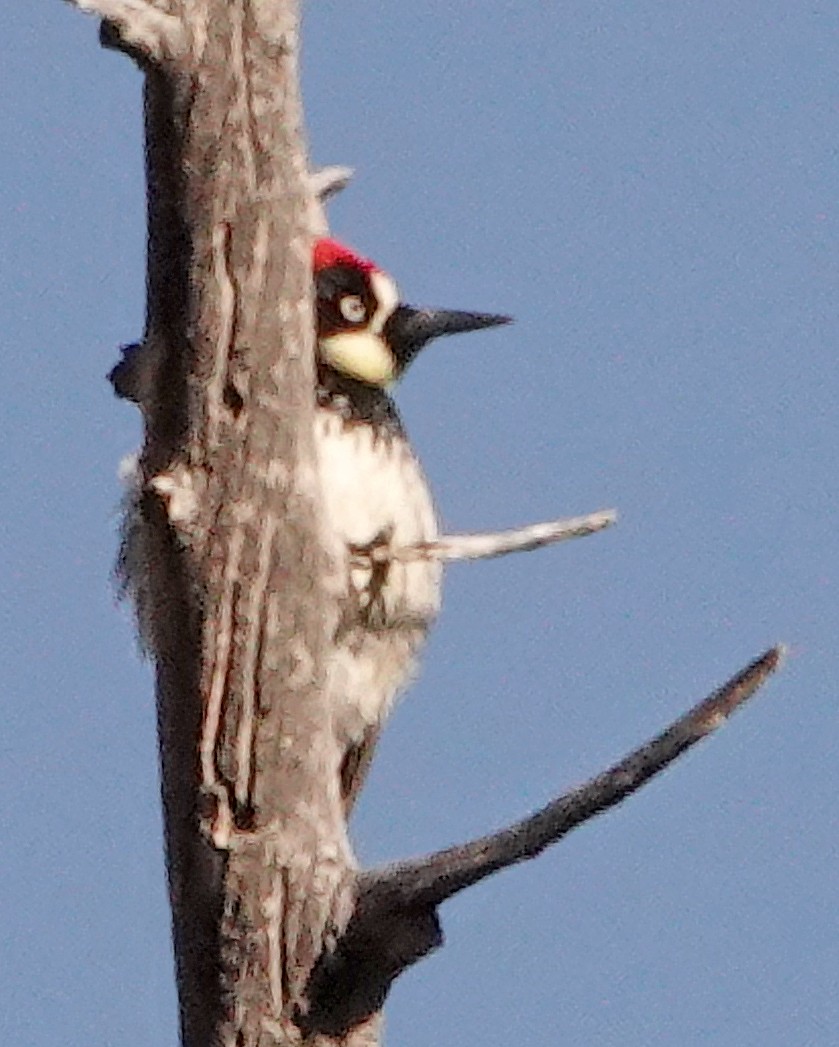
(352, 308)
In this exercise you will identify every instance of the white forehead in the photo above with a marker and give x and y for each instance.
(387, 296)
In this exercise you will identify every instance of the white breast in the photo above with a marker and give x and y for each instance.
(375, 493)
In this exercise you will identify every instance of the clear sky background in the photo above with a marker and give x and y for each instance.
(652, 189)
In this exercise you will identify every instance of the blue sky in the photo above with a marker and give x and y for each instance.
(651, 189)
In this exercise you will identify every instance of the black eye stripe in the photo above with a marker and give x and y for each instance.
(338, 281)
(334, 284)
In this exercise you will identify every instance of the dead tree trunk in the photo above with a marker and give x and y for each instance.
(232, 569)
(233, 583)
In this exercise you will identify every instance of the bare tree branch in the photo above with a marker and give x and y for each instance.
(395, 921)
(451, 547)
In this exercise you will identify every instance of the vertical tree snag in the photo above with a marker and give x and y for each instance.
(233, 583)
(278, 938)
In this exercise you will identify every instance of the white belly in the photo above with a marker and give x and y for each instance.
(375, 494)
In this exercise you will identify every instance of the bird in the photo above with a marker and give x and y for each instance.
(375, 494)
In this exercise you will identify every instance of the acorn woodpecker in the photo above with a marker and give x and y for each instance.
(375, 493)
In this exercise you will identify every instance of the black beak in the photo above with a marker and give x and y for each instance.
(408, 330)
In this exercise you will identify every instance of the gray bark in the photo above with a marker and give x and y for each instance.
(234, 583)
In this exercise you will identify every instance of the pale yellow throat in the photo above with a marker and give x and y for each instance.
(361, 355)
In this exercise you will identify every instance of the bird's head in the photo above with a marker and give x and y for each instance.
(363, 329)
